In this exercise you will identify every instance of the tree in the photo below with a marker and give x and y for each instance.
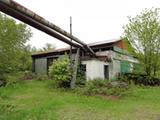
(48, 47)
(24, 59)
(143, 32)
(13, 37)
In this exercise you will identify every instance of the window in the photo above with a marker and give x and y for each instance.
(83, 69)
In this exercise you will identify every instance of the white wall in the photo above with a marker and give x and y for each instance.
(94, 69)
(115, 69)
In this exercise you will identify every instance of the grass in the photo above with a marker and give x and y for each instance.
(38, 100)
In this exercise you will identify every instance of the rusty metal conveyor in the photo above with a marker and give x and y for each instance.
(25, 15)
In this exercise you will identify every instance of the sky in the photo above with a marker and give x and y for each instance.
(92, 20)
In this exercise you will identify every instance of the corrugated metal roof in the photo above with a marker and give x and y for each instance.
(90, 44)
(50, 51)
(104, 42)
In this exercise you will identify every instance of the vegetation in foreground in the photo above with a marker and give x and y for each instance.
(38, 100)
(142, 32)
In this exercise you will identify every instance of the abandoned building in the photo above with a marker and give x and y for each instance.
(111, 61)
(105, 59)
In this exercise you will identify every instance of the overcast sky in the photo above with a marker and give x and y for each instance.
(93, 20)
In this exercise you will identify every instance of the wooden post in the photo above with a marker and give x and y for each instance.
(75, 68)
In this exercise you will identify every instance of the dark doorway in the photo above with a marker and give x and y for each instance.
(50, 62)
(106, 71)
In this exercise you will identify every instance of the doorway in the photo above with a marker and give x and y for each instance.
(106, 72)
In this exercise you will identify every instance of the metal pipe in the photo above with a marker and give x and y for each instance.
(43, 21)
(35, 24)
(71, 40)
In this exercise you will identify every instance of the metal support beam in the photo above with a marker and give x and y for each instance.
(14, 5)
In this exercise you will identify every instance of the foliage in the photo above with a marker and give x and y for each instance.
(13, 37)
(12, 79)
(7, 108)
(24, 58)
(60, 71)
(141, 79)
(48, 47)
(130, 48)
(81, 78)
(41, 77)
(103, 87)
(143, 34)
(28, 75)
(2, 80)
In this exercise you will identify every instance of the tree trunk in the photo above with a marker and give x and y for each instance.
(75, 67)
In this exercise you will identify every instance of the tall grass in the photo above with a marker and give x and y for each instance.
(38, 100)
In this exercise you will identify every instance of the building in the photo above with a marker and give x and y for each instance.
(111, 61)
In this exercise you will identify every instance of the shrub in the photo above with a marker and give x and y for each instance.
(13, 78)
(143, 79)
(28, 75)
(2, 80)
(60, 71)
(81, 79)
(42, 77)
(10, 78)
(103, 87)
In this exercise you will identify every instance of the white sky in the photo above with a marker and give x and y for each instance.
(93, 20)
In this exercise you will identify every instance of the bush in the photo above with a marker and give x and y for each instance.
(41, 77)
(81, 79)
(103, 87)
(60, 71)
(11, 78)
(143, 79)
(3, 81)
(28, 75)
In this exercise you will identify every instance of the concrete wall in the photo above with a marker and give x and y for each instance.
(94, 69)
(41, 66)
(116, 69)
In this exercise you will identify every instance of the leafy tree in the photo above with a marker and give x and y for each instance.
(13, 37)
(24, 58)
(48, 47)
(143, 32)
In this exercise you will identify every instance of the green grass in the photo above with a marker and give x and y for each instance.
(38, 100)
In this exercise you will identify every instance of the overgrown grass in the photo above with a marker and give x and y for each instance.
(103, 88)
(38, 100)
